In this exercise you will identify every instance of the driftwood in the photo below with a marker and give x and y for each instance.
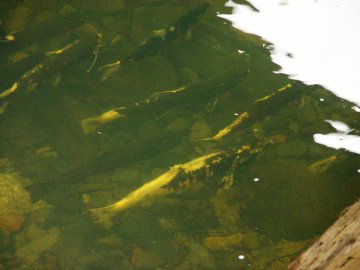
(338, 248)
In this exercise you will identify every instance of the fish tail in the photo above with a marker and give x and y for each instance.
(90, 124)
(103, 216)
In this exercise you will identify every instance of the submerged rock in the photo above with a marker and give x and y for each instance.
(127, 177)
(18, 18)
(199, 257)
(105, 259)
(292, 206)
(150, 18)
(187, 75)
(111, 5)
(236, 260)
(310, 110)
(228, 215)
(253, 240)
(292, 149)
(223, 242)
(143, 259)
(200, 130)
(30, 252)
(15, 202)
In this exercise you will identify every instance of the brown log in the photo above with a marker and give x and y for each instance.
(338, 248)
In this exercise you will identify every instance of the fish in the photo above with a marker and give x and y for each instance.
(176, 179)
(53, 63)
(124, 155)
(40, 30)
(161, 101)
(323, 165)
(134, 151)
(261, 108)
(13, 71)
(158, 41)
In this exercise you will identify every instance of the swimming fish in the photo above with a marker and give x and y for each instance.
(160, 39)
(259, 109)
(37, 31)
(176, 179)
(322, 165)
(161, 101)
(53, 63)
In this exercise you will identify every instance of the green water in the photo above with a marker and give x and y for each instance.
(281, 198)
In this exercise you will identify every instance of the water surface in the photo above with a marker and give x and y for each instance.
(259, 212)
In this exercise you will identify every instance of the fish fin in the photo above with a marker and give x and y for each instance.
(90, 125)
(102, 216)
(3, 106)
(109, 70)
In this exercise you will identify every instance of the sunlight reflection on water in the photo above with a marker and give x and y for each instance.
(313, 41)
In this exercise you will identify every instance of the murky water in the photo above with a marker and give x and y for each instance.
(101, 98)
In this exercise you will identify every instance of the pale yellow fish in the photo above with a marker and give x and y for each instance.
(153, 188)
(322, 165)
